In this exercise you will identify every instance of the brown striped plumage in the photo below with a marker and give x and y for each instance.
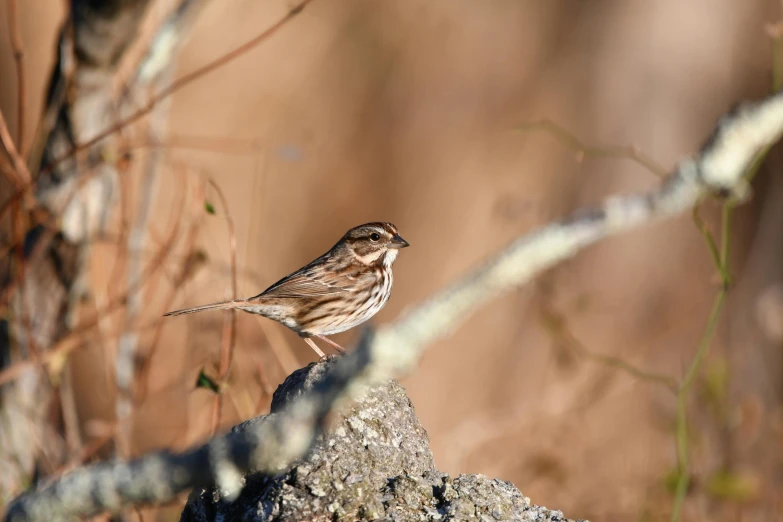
(337, 291)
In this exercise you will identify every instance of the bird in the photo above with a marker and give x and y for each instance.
(335, 292)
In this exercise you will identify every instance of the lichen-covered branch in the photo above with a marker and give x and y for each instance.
(92, 46)
(167, 40)
(393, 350)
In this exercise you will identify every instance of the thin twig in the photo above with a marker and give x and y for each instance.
(229, 316)
(58, 353)
(709, 239)
(83, 454)
(555, 323)
(22, 179)
(128, 344)
(183, 81)
(21, 83)
(571, 141)
(683, 472)
(166, 92)
(187, 270)
(70, 412)
(721, 260)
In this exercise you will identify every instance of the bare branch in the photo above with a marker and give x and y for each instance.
(175, 86)
(21, 173)
(181, 82)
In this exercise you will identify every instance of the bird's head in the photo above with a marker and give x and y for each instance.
(374, 243)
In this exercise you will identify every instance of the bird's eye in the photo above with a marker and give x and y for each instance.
(375, 236)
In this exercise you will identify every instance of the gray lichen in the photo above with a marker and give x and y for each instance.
(374, 463)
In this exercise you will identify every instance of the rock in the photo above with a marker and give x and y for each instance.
(374, 463)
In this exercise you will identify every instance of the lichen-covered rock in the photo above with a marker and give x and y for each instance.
(373, 464)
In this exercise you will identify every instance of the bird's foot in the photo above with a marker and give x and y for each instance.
(314, 346)
(336, 346)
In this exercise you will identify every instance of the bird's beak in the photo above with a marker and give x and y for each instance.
(398, 242)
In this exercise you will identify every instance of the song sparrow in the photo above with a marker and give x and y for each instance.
(339, 290)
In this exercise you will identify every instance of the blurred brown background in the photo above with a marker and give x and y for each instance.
(405, 111)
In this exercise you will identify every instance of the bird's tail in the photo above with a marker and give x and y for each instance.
(225, 305)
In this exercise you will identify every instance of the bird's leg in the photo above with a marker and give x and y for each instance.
(314, 346)
(334, 344)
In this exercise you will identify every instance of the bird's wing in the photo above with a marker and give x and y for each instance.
(309, 281)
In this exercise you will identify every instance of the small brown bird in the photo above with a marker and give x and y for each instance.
(339, 290)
